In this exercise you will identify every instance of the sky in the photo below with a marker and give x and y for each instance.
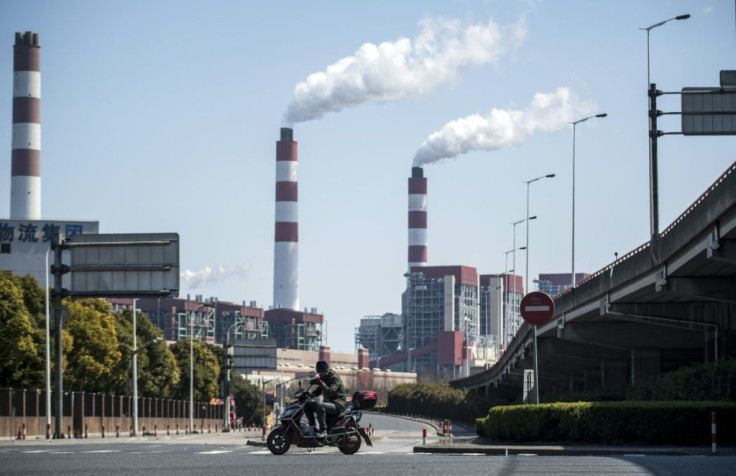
(162, 116)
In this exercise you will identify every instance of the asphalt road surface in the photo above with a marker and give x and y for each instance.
(391, 455)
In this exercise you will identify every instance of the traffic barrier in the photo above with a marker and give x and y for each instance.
(85, 431)
(69, 432)
(155, 430)
(168, 431)
(48, 430)
(424, 437)
(447, 429)
(263, 434)
(713, 432)
(117, 431)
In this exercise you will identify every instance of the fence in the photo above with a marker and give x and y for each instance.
(23, 412)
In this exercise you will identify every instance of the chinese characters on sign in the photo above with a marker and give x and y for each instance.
(34, 232)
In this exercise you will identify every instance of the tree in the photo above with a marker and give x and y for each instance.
(247, 399)
(158, 373)
(206, 371)
(20, 363)
(94, 354)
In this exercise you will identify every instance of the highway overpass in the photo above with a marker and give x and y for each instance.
(669, 303)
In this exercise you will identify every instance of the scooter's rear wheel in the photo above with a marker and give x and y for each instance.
(349, 444)
(279, 440)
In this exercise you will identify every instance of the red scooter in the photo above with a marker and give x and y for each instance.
(343, 430)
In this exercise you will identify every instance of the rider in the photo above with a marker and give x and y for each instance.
(330, 386)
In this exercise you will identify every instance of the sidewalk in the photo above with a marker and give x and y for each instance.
(466, 441)
(484, 446)
(235, 437)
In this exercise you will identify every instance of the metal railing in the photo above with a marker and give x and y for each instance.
(23, 413)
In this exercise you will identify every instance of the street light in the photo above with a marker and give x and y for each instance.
(226, 424)
(506, 290)
(191, 368)
(653, 172)
(136, 350)
(263, 383)
(48, 348)
(529, 182)
(525, 247)
(574, 124)
(649, 28)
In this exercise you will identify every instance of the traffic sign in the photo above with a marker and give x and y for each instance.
(537, 308)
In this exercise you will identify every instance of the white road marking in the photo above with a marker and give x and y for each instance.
(213, 452)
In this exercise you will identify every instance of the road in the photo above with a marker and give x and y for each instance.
(392, 454)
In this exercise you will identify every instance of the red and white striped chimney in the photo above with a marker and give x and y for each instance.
(417, 218)
(25, 184)
(286, 252)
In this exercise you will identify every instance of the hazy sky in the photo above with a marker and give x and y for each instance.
(162, 116)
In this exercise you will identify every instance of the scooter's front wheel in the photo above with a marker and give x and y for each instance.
(279, 440)
(350, 443)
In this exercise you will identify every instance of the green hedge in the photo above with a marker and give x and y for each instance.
(679, 423)
(709, 382)
(437, 401)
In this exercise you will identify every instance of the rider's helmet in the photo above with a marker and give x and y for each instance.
(322, 368)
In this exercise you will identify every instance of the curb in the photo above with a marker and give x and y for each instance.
(547, 451)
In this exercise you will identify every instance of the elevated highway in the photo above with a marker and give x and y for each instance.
(668, 303)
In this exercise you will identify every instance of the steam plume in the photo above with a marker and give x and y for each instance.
(391, 71)
(209, 276)
(502, 127)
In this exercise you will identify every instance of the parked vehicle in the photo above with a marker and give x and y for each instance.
(343, 430)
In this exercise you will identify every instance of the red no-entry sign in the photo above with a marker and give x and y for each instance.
(537, 308)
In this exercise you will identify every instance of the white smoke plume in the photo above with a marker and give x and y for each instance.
(394, 70)
(502, 127)
(209, 276)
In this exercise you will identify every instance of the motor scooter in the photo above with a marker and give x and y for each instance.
(343, 430)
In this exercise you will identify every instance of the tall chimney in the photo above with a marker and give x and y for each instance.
(286, 252)
(417, 218)
(25, 184)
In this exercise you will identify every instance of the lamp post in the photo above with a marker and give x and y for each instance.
(191, 367)
(653, 172)
(226, 423)
(135, 352)
(508, 294)
(263, 383)
(529, 182)
(574, 124)
(48, 348)
(525, 247)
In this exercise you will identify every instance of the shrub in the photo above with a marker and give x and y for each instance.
(436, 401)
(703, 382)
(682, 423)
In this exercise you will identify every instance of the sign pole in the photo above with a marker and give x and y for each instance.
(536, 369)
(537, 308)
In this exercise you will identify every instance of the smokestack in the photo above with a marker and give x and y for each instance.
(25, 185)
(286, 252)
(417, 218)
